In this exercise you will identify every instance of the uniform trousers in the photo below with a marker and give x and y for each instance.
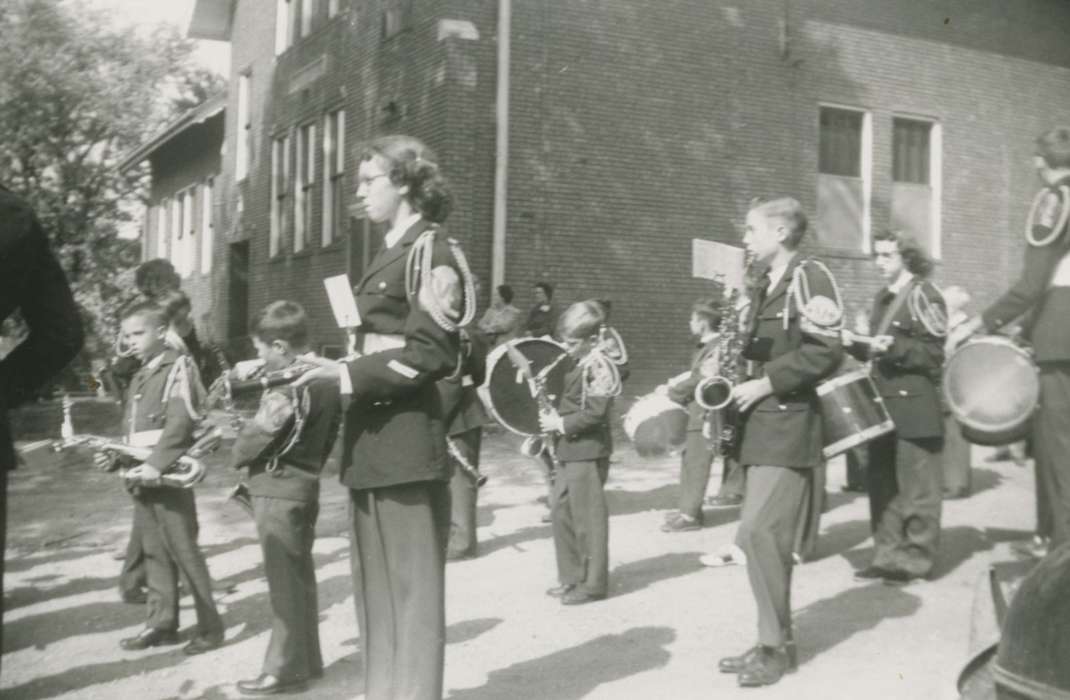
(809, 527)
(581, 525)
(955, 465)
(695, 463)
(167, 520)
(772, 507)
(132, 576)
(905, 502)
(399, 534)
(1051, 450)
(463, 495)
(287, 531)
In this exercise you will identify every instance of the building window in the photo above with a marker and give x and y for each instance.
(334, 135)
(161, 229)
(285, 24)
(207, 226)
(395, 17)
(308, 11)
(332, 8)
(844, 161)
(915, 180)
(280, 187)
(306, 179)
(244, 151)
(176, 233)
(189, 244)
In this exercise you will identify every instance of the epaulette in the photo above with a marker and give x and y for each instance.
(1048, 216)
(184, 379)
(819, 314)
(927, 307)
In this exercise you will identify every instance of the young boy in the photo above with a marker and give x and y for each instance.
(161, 411)
(285, 448)
(584, 444)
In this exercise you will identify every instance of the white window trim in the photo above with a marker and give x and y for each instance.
(936, 179)
(308, 9)
(189, 221)
(282, 13)
(243, 155)
(207, 226)
(332, 8)
(865, 167)
(162, 209)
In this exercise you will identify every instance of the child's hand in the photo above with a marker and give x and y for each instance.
(551, 422)
(105, 461)
(145, 474)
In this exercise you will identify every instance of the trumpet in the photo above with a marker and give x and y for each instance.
(250, 376)
(187, 471)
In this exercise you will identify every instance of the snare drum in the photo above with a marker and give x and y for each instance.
(505, 391)
(852, 412)
(656, 425)
(992, 389)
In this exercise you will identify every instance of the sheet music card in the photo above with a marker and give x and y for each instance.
(717, 261)
(340, 296)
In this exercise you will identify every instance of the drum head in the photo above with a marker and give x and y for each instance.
(991, 386)
(656, 425)
(506, 391)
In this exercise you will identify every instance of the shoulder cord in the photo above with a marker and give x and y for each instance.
(418, 275)
(187, 386)
(612, 345)
(926, 312)
(595, 363)
(1060, 224)
(299, 398)
(800, 290)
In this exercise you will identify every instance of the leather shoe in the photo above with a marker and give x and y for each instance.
(871, 573)
(682, 523)
(201, 644)
(136, 597)
(735, 664)
(578, 596)
(729, 501)
(766, 668)
(268, 684)
(150, 637)
(560, 591)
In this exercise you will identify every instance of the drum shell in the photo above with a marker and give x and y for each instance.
(992, 388)
(656, 425)
(852, 412)
(506, 393)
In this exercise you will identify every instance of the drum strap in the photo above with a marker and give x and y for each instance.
(893, 308)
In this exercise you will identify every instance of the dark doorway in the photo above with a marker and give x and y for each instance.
(238, 292)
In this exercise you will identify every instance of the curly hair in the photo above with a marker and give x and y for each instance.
(709, 309)
(410, 163)
(916, 260)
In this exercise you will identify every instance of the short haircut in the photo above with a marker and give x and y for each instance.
(788, 211)
(506, 293)
(1054, 147)
(915, 258)
(156, 276)
(150, 311)
(709, 310)
(581, 320)
(282, 320)
(547, 288)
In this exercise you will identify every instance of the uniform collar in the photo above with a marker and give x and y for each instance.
(900, 282)
(394, 235)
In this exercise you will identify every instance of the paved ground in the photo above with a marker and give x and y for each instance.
(658, 636)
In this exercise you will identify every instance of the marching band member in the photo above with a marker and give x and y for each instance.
(903, 479)
(413, 298)
(793, 337)
(161, 410)
(1043, 291)
(285, 447)
(699, 452)
(583, 447)
(955, 466)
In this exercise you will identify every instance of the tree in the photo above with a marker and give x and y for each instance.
(76, 95)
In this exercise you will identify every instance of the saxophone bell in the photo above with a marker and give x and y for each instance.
(714, 393)
(533, 446)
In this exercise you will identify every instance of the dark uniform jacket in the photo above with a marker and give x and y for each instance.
(152, 405)
(683, 392)
(907, 376)
(461, 408)
(31, 281)
(1049, 327)
(295, 474)
(784, 429)
(394, 429)
(587, 435)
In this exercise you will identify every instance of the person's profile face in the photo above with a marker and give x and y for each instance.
(274, 354)
(762, 235)
(697, 325)
(888, 259)
(142, 336)
(540, 296)
(377, 196)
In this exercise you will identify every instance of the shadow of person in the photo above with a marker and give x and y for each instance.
(467, 630)
(627, 502)
(513, 539)
(841, 538)
(570, 674)
(637, 575)
(831, 621)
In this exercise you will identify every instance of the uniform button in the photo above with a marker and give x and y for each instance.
(902, 392)
(782, 407)
(382, 285)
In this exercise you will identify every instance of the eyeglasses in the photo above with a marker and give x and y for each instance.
(885, 254)
(361, 181)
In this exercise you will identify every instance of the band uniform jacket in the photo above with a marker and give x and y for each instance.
(1048, 305)
(683, 391)
(150, 407)
(295, 473)
(784, 429)
(462, 409)
(907, 375)
(587, 434)
(394, 429)
(31, 281)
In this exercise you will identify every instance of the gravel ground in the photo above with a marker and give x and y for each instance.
(659, 635)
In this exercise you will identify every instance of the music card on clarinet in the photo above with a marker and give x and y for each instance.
(718, 261)
(340, 296)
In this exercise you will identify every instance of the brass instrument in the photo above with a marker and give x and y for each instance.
(250, 376)
(187, 471)
(536, 445)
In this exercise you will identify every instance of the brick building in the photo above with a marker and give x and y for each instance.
(181, 215)
(633, 128)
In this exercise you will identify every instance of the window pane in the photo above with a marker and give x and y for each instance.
(840, 142)
(910, 151)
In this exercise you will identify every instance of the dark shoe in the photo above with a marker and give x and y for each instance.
(682, 523)
(578, 596)
(200, 644)
(767, 667)
(151, 637)
(1036, 548)
(897, 577)
(547, 517)
(735, 664)
(870, 573)
(729, 501)
(268, 684)
(853, 488)
(460, 556)
(560, 591)
(137, 597)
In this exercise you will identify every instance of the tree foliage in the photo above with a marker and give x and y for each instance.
(77, 94)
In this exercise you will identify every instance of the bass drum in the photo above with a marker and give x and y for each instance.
(505, 391)
(656, 425)
(992, 389)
